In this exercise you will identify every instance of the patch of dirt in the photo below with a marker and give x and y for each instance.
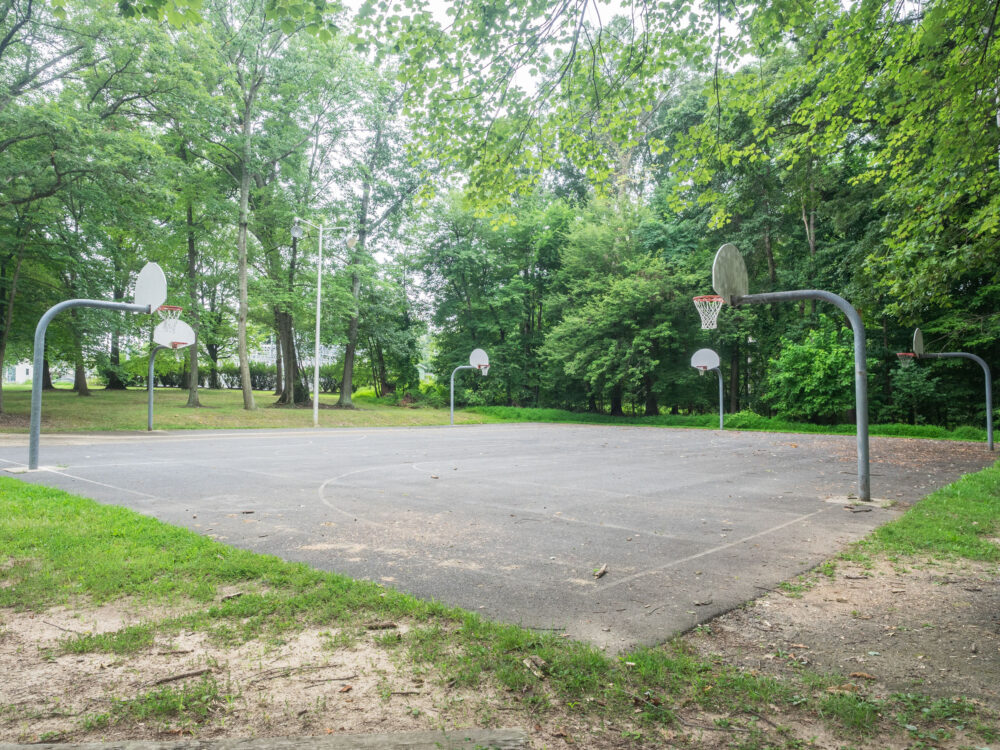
(931, 628)
(311, 682)
(20, 421)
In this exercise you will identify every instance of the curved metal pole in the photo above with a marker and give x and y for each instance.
(989, 384)
(860, 366)
(149, 385)
(39, 361)
(461, 367)
(718, 372)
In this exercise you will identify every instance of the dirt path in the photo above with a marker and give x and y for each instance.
(931, 628)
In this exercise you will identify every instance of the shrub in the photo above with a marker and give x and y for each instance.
(328, 380)
(813, 380)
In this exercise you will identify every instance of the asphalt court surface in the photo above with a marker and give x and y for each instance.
(512, 521)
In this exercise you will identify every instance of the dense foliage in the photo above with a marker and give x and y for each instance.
(533, 178)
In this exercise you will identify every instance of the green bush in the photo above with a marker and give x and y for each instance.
(262, 377)
(328, 380)
(813, 380)
(966, 432)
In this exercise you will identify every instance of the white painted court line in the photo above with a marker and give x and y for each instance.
(100, 484)
(712, 551)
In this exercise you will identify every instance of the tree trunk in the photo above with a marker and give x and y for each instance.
(652, 407)
(193, 313)
(616, 402)
(734, 381)
(772, 270)
(8, 319)
(46, 376)
(79, 371)
(809, 221)
(213, 373)
(114, 381)
(80, 377)
(241, 242)
(347, 381)
(279, 361)
(294, 390)
(385, 387)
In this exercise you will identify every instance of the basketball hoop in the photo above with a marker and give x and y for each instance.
(906, 358)
(172, 331)
(708, 307)
(170, 312)
(484, 370)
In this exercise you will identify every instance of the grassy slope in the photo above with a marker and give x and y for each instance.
(56, 548)
(739, 421)
(64, 411)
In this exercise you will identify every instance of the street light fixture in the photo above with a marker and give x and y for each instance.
(298, 232)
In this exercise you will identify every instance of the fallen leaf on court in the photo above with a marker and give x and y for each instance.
(798, 645)
(435, 476)
(864, 675)
(533, 663)
(602, 571)
(703, 603)
(346, 689)
(847, 687)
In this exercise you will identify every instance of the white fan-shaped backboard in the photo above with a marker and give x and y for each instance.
(705, 359)
(151, 287)
(479, 358)
(918, 342)
(729, 274)
(173, 333)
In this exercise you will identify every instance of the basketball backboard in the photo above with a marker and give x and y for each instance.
(704, 360)
(151, 287)
(918, 342)
(480, 360)
(173, 333)
(729, 274)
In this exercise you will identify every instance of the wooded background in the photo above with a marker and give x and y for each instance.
(545, 179)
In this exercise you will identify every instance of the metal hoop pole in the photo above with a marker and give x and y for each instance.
(149, 385)
(452, 410)
(860, 366)
(39, 361)
(989, 384)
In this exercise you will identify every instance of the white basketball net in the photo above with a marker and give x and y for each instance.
(708, 308)
(170, 315)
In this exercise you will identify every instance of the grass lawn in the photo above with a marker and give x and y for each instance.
(64, 411)
(59, 550)
(740, 421)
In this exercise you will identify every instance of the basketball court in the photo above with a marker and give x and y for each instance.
(512, 521)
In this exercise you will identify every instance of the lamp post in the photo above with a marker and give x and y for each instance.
(298, 232)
